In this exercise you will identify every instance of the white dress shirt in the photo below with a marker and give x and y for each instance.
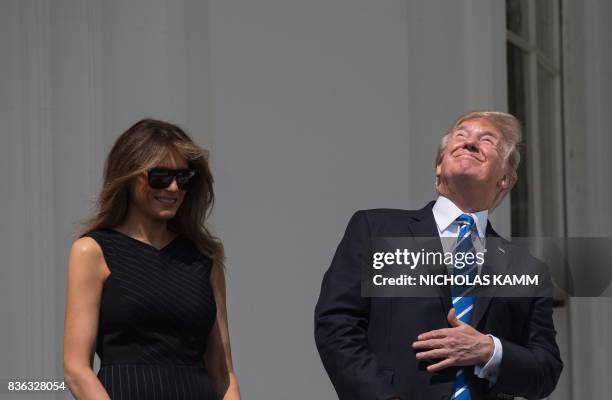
(445, 213)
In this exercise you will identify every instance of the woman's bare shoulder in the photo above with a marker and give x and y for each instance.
(86, 247)
(86, 257)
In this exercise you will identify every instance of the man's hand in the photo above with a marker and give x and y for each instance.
(457, 346)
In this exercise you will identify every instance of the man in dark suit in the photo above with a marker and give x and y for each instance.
(453, 346)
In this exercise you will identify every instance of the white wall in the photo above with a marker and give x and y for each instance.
(310, 123)
(321, 108)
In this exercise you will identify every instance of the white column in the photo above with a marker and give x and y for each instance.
(310, 123)
(588, 88)
(75, 74)
(457, 62)
(27, 159)
(321, 108)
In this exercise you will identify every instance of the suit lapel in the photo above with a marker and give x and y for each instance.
(496, 262)
(423, 228)
(425, 232)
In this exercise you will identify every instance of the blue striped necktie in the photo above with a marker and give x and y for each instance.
(462, 301)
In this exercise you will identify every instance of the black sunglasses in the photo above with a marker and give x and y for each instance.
(161, 178)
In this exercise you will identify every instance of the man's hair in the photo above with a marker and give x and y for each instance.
(512, 135)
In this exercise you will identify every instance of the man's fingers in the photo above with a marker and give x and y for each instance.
(428, 344)
(448, 362)
(432, 354)
(437, 334)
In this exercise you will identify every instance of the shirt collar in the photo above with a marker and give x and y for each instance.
(446, 212)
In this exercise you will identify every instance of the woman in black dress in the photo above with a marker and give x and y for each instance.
(146, 287)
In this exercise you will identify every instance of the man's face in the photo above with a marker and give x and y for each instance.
(474, 153)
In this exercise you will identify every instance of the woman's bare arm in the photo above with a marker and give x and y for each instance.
(86, 274)
(218, 356)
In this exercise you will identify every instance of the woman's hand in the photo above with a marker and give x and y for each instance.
(218, 355)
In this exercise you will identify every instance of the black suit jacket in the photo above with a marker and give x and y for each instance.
(366, 343)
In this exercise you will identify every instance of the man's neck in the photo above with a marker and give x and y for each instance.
(468, 200)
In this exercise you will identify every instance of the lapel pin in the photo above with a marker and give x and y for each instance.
(502, 250)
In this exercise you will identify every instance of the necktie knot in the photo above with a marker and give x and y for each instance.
(465, 220)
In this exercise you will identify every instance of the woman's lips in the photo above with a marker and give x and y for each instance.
(166, 200)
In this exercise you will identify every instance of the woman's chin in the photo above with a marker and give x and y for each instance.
(165, 214)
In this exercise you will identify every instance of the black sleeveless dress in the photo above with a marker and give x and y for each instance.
(157, 309)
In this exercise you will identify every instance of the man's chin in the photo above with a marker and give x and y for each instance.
(468, 162)
(467, 175)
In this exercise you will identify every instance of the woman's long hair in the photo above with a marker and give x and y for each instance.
(143, 146)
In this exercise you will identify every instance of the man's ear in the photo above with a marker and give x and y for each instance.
(504, 182)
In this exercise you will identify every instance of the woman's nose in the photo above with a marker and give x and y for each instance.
(173, 186)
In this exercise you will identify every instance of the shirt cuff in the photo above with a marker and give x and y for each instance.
(490, 370)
